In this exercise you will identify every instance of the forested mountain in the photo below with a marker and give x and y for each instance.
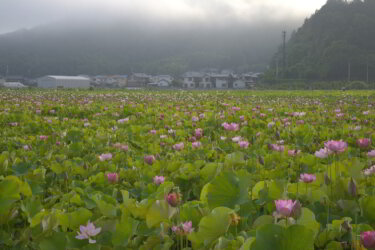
(336, 43)
(138, 46)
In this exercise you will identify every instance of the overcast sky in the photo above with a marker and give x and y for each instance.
(18, 14)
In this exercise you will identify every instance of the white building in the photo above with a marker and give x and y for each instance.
(221, 81)
(63, 82)
(13, 85)
(161, 81)
(239, 84)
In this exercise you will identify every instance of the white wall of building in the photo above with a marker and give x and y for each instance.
(64, 82)
(239, 84)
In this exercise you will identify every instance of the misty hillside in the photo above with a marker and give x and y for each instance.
(338, 37)
(126, 46)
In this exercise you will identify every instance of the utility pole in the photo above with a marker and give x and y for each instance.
(284, 52)
(277, 68)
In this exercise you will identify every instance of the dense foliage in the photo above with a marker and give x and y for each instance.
(340, 34)
(186, 170)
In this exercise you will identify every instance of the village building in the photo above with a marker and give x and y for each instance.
(161, 81)
(52, 81)
(138, 80)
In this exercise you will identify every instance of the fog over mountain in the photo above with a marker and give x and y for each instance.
(119, 37)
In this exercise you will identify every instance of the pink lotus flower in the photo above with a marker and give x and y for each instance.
(43, 137)
(173, 199)
(52, 111)
(163, 136)
(38, 111)
(294, 152)
(371, 153)
(198, 132)
(112, 177)
(158, 180)
(86, 232)
(178, 146)
(243, 144)
(153, 131)
(236, 108)
(196, 144)
(187, 227)
(369, 171)
(236, 139)
(336, 146)
(230, 127)
(13, 124)
(87, 124)
(307, 178)
(195, 119)
(366, 112)
(26, 147)
(323, 153)
(123, 120)
(176, 230)
(201, 116)
(285, 207)
(275, 147)
(242, 118)
(104, 157)
(368, 239)
(149, 159)
(262, 115)
(363, 142)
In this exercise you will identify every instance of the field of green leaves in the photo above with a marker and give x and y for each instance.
(187, 170)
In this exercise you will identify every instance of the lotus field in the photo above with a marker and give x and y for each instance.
(187, 170)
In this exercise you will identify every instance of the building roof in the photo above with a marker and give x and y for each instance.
(68, 77)
(193, 74)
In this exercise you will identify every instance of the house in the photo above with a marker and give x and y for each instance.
(63, 82)
(161, 81)
(250, 78)
(192, 79)
(239, 84)
(13, 85)
(205, 82)
(138, 80)
(220, 81)
(110, 81)
(121, 80)
(197, 80)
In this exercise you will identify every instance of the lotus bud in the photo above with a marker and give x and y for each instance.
(173, 199)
